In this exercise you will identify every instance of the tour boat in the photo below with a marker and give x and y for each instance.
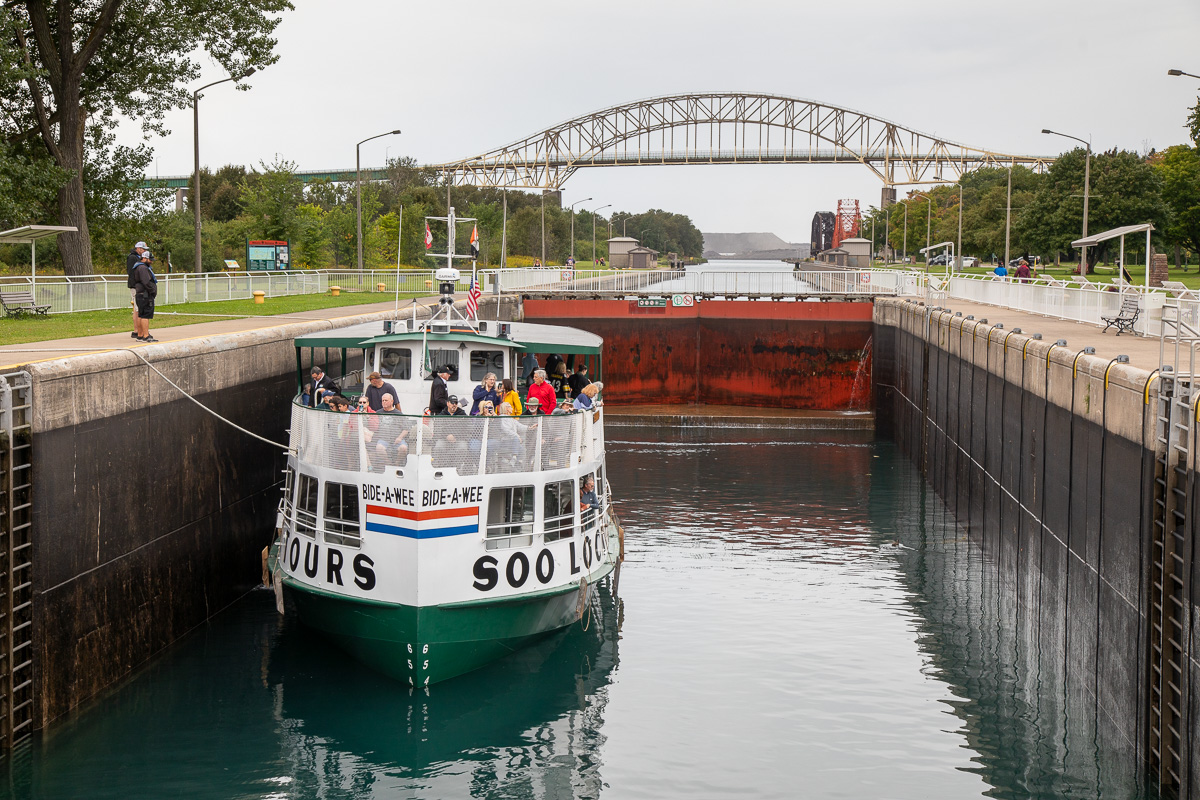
(465, 541)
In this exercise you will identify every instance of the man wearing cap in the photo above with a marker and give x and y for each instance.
(532, 407)
(145, 288)
(543, 392)
(453, 409)
(377, 389)
(321, 384)
(131, 262)
(438, 393)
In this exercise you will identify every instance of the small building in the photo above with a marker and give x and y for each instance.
(625, 252)
(858, 252)
(642, 258)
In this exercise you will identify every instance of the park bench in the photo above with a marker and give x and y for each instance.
(1178, 289)
(18, 303)
(1126, 317)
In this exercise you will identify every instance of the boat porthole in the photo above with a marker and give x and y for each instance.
(587, 551)
(545, 566)
(513, 580)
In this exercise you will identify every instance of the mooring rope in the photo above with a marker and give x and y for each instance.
(172, 383)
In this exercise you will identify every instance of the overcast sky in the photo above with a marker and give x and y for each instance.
(461, 78)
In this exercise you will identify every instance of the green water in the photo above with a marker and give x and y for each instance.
(797, 616)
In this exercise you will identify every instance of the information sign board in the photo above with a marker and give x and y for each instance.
(267, 254)
(683, 300)
(652, 302)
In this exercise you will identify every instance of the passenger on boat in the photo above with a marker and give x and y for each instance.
(486, 409)
(564, 407)
(452, 408)
(438, 392)
(508, 394)
(579, 379)
(391, 443)
(377, 389)
(560, 380)
(588, 503)
(363, 406)
(543, 391)
(485, 391)
(507, 440)
(587, 398)
(321, 385)
(531, 407)
(552, 361)
(529, 365)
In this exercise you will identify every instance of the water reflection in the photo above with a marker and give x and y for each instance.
(805, 620)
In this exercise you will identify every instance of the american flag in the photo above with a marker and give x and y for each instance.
(473, 299)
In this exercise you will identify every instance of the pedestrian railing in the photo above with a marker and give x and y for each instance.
(65, 294)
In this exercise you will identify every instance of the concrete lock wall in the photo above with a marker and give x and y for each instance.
(1048, 463)
(150, 514)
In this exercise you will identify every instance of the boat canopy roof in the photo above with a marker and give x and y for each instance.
(525, 336)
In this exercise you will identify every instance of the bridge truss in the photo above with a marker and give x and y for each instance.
(726, 128)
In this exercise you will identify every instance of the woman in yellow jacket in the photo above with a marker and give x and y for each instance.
(508, 394)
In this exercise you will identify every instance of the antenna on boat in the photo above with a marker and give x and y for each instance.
(448, 276)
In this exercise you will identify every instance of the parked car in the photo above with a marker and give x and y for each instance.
(969, 261)
(939, 261)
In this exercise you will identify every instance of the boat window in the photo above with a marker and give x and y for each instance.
(306, 505)
(485, 361)
(395, 363)
(559, 512)
(510, 517)
(289, 483)
(443, 358)
(341, 514)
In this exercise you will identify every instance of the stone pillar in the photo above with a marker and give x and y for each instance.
(887, 196)
(1158, 269)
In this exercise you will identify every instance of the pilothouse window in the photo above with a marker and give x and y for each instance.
(485, 361)
(341, 514)
(510, 517)
(443, 358)
(395, 363)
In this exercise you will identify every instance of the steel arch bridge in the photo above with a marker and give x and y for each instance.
(726, 128)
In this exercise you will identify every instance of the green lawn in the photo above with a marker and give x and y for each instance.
(90, 323)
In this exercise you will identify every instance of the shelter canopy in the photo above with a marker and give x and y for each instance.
(31, 233)
(1115, 233)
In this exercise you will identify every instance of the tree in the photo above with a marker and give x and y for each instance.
(1179, 168)
(1193, 123)
(87, 62)
(272, 201)
(1125, 190)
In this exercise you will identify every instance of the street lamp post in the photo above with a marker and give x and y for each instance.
(958, 247)
(594, 212)
(358, 188)
(1008, 217)
(905, 251)
(196, 144)
(572, 207)
(1087, 181)
(1178, 72)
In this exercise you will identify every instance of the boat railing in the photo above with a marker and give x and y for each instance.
(471, 445)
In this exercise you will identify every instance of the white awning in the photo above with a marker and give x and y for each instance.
(31, 233)
(1115, 233)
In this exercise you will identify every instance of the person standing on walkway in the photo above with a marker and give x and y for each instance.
(145, 290)
(131, 262)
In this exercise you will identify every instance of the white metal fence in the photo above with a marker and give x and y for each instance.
(102, 292)
(707, 283)
(1080, 302)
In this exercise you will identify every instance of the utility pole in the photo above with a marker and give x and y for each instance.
(504, 234)
(1008, 217)
(960, 213)
(543, 227)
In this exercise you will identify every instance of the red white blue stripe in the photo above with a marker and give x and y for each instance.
(430, 524)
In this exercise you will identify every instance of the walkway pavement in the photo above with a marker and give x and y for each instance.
(1143, 352)
(17, 354)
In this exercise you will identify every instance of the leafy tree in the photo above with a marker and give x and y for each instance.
(88, 61)
(1125, 190)
(1179, 168)
(1193, 123)
(271, 202)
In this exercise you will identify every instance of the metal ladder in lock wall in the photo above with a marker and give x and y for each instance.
(16, 552)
